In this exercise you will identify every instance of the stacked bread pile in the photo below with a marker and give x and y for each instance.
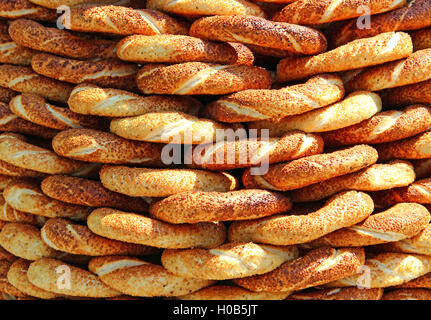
(90, 207)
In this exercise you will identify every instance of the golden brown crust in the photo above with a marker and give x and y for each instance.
(54, 4)
(405, 95)
(251, 105)
(229, 292)
(25, 80)
(342, 210)
(13, 53)
(351, 293)
(106, 73)
(123, 21)
(355, 108)
(261, 32)
(144, 182)
(317, 267)
(108, 102)
(422, 168)
(9, 214)
(44, 273)
(14, 171)
(6, 94)
(197, 78)
(416, 147)
(16, 9)
(6, 287)
(193, 207)
(408, 294)
(5, 180)
(134, 228)
(312, 169)
(135, 277)
(89, 193)
(421, 282)
(421, 39)
(354, 55)
(376, 177)
(6, 255)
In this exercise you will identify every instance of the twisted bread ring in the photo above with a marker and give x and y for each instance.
(6, 94)
(13, 53)
(386, 270)
(6, 288)
(138, 229)
(421, 39)
(375, 177)
(402, 221)
(44, 273)
(377, 50)
(9, 214)
(28, 197)
(228, 261)
(408, 294)
(383, 127)
(228, 292)
(33, 35)
(16, 9)
(317, 267)
(89, 193)
(415, 15)
(258, 31)
(416, 147)
(252, 105)
(342, 210)
(312, 169)
(34, 108)
(149, 280)
(351, 293)
(415, 68)
(17, 276)
(197, 78)
(421, 282)
(24, 241)
(14, 171)
(25, 80)
(92, 100)
(123, 21)
(193, 207)
(54, 4)
(106, 73)
(143, 182)
(65, 236)
(11, 122)
(15, 150)
(311, 12)
(355, 108)
(196, 8)
(225, 155)
(410, 94)
(178, 48)
(104, 147)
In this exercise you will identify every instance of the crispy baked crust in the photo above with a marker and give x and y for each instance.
(6, 287)
(421, 39)
(54, 4)
(351, 293)
(13, 53)
(414, 93)
(16, 9)
(416, 147)
(229, 292)
(408, 294)
(9, 214)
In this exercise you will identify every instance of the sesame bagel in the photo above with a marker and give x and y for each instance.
(17, 276)
(14, 171)
(342, 210)
(123, 21)
(253, 105)
(136, 277)
(415, 68)
(383, 127)
(416, 147)
(24, 241)
(402, 221)
(25, 80)
(193, 207)
(229, 292)
(229, 261)
(6, 288)
(34, 108)
(104, 147)
(317, 267)
(259, 31)
(106, 73)
(377, 50)
(46, 274)
(226, 155)
(312, 169)
(410, 94)
(193, 8)
(388, 269)
(13, 53)
(168, 127)
(65, 236)
(28, 197)
(312, 12)
(351, 293)
(107, 102)
(408, 294)
(16, 9)
(421, 38)
(144, 182)
(15, 150)
(198, 78)
(89, 193)
(9, 214)
(138, 229)
(376, 177)
(421, 282)
(356, 107)
(179, 48)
